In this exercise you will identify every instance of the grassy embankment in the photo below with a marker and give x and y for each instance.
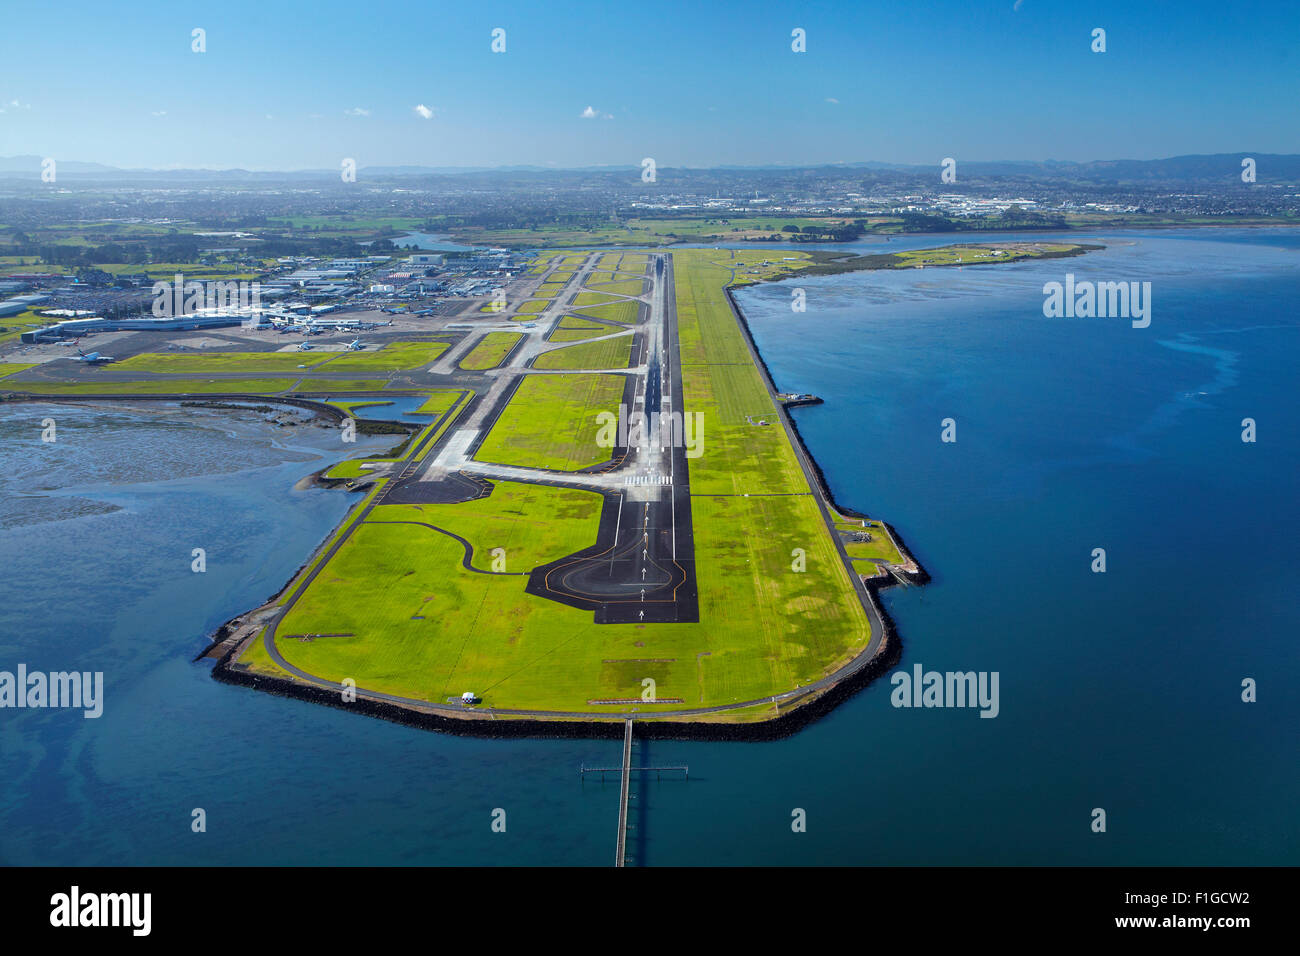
(551, 422)
(623, 312)
(606, 353)
(490, 351)
(160, 386)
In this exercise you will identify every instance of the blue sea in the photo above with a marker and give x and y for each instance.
(1119, 691)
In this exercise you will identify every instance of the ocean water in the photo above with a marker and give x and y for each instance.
(1119, 691)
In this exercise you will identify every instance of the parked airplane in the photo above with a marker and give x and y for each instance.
(305, 346)
(355, 345)
(93, 358)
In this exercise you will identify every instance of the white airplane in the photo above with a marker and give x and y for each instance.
(355, 345)
(304, 346)
(93, 358)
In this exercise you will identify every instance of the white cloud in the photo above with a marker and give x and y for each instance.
(424, 111)
(356, 111)
(831, 99)
(158, 113)
(590, 113)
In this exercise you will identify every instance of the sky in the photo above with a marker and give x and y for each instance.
(286, 86)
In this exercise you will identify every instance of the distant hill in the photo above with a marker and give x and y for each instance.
(1219, 167)
(1199, 168)
(32, 164)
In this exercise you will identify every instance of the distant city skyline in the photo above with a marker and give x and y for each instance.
(289, 88)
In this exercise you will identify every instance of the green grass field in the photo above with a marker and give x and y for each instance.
(721, 383)
(166, 386)
(22, 322)
(580, 322)
(328, 386)
(418, 624)
(551, 422)
(607, 353)
(532, 524)
(578, 335)
(623, 312)
(880, 547)
(621, 286)
(355, 467)
(641, 232)
(973, 254)
(490, 351)
(440, 400)
(9, 368)
(200, 362)
(395, 357)
(593, 298)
